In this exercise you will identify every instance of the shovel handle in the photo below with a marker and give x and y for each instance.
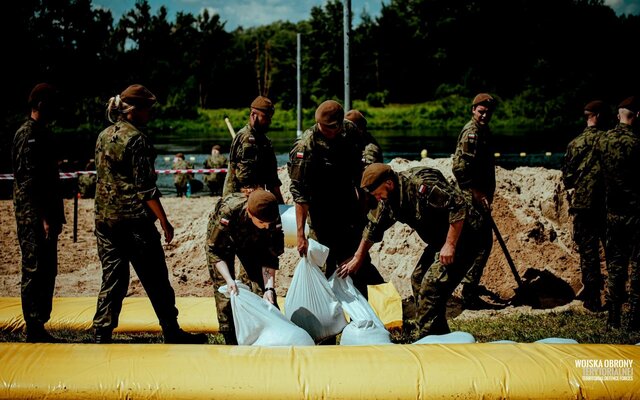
(503, 246)
(230, 127)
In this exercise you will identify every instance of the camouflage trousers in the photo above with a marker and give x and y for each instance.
(136, 242)
(440, 281)
(588, 232)
(623, 255)
(39, 270)
(471, 280)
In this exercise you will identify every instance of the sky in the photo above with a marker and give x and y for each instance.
(250, 13)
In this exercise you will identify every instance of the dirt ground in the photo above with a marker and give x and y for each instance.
(530, 210)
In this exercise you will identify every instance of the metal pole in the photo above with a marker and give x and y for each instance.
(298, 85)
(347, 34)
(75, 211)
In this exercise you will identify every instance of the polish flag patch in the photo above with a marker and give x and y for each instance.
(422, 189)
(224, 221)
(299, 155)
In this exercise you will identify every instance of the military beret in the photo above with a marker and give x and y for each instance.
(263, 205)
(374, 175)
(357, 118)
(484, 99)
(329, 112)
(631, 103)
(42, 92)
(595, 106)
(263, 104)
(138, 95)
(217, 147)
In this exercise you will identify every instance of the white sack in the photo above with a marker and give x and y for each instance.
(453, 337)
(310, 302)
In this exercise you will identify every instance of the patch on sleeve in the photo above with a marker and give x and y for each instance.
(422, 189)
(472, 137)
(252, 139)
(299, 155)
(224, 221)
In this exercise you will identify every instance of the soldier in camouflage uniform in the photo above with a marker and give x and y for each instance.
(126, 206)
(371, 150)
(215, 181)
(181, 181)
(581, 172)
(87, 182)
(250, 228)
(252, 160)
(474, 169)
(422, 198)
(325, 169)
(39, 211)
(619, 152)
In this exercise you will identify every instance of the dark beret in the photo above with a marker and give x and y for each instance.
(139, 96)
(263, 205)
(357, 118)
(374, 175)
(631, 103)
(263, 104)
(42, 92)
(329, 112)
(217, 147)
(595, 106)
(485, 99)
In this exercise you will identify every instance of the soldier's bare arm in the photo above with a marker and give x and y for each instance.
(156, 207)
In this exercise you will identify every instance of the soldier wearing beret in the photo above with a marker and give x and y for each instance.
(126, 206)
(39, 211)
(619, 152)
(250, 228)
(325, 169)
(215, 181)
(180, 181)
(581, 172)
(474, 169)
(252, 160)
(368, 145)
(444, 219)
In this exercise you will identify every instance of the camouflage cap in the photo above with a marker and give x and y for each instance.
(631, 103)
(374, 175)
(42, 92)
(138, 95)
(485, 99)
(329, 112)
(263, 104)
(263, 205)
(595, 106)
(357, 118)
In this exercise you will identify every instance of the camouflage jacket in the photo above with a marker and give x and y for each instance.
(581, 170)
(325, 174)
(126, 174)
(231, 231)
(424, 200)
(474, 162)
(619, 152)
(371, 150)
(252, 162)
(219, 161)
(182, 179)
(36, 185)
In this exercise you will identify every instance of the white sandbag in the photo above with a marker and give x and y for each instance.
(310, 302)
(259, 323)
(453, 337)
(504, 341)
(556, 340)
(365, 326)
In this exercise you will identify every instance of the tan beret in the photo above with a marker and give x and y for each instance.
(595, 106)
(329, 112)
(139, 96)
(631, 103)
(357, 118)
(485, 99)
(263, 205)
(374, 175)
(42, 92)
(263, 104)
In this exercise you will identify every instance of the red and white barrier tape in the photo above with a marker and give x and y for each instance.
(71, 175)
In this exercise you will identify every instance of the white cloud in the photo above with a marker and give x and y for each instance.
(624, 6)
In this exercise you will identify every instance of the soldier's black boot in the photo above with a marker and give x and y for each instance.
(174, 335)
(230, 338)
(37, 334)
(103, 335)
(613, 320)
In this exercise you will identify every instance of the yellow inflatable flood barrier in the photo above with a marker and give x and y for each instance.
(434, 371)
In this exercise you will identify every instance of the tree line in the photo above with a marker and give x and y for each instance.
(548, 57)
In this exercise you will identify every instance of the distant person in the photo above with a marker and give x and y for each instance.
(127, 205)
(619, 152)
(474, 169)
(39, 210)
(87, 182)
(581, 173)
(422, 198)
(215, 181)
(181, 180)
(368, 145)
(249, 228)
(252, 160)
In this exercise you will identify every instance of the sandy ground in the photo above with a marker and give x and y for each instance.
(530, 209)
